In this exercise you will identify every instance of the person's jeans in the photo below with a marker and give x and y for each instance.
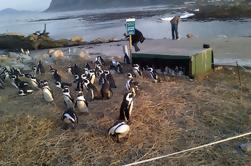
(175, 34)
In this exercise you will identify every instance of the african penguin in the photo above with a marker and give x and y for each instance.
(154, 76)
(25, 92)
(126, 107)
(90, 87)
(119, 130)
(47, 92)
(40, 68)
(69, 117)
(56, 76)
(81, 104)
(136, 70)
(63, 85)
(106, 91)
(99, 61)
(109, 77)
(68, 100)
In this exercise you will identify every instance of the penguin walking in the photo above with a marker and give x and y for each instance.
(126, 107)
(68, 100)
(131, 85)
(40, 68)
(92, 76)
(154, 76)
(136, 70)
(81, 104)
(69, 117)
(47, 92)
(106, 91)
(119, 130)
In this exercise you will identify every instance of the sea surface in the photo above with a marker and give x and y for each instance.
(109, 23)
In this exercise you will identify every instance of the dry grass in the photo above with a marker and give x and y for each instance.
(168, 117)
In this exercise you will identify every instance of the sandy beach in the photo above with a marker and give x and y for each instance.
(170, 116)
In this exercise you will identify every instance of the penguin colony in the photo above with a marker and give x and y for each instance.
(84, 81)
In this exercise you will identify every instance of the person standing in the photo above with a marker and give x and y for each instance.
(174, 26)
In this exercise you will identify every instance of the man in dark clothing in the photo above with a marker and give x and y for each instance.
(174, 25)
(136, 38)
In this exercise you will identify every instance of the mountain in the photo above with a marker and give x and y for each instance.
(12, 11)
(66, 5)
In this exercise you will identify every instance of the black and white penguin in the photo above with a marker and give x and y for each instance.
(69, 117)
(109, 77)
(119, 130)
(90, 87)
(131, 85)
(17, 83)
(92, 76)
(68, 100)
(98, 70)
(126, 107)
(74, 70)
(63, 85)
(47, 92)
(106, 91)
(25, 92)
(52, 70)
(154, 76)
(56, 76)
(81, 103)
(99, 61)
(40, 68)
(136, 70)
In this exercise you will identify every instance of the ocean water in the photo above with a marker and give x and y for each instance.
(109, 23)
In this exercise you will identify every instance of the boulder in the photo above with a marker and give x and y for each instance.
(77, 39)
(57, 54)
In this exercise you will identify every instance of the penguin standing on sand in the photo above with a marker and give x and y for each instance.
(154, 76)
(106, 91)
(81, 104)
(56, 76)
(119, 130)
(99, 61)
(126, 107)
(69, 117)
(68, 100)
(136, 70)
(90, 87)
(47, 92)
(109, 77)
(40, 68)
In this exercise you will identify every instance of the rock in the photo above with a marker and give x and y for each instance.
(57, 54)
(246, 147)
(84, 55)
(189, 35)
(77, 39)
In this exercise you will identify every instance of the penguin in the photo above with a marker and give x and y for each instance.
(92, 76)
(17, 83)
(126, 107)
(106, 91)
(40, 68)
(119, 130)
(68, 100)
(98, 70)
(69, 117)
(25, 92)
(153, 75)
(56, 76)
(90, 87)
(99, 61)
(63, 85)
(136, 70)
(88, 66)
(52, 70)
(47, 92)
(74, 69)
(81, 104)
(109, 77)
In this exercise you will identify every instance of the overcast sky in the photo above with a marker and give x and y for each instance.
(34, 5)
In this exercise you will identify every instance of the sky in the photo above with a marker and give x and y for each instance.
(33, 5)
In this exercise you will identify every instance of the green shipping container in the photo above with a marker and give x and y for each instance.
(195, 62)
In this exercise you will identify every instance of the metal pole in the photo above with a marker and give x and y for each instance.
(239, 76)
(130, 46)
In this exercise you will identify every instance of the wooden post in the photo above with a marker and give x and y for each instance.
(130, 47)
(239, 77)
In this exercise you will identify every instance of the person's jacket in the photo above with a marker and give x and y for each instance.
(175, 20)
